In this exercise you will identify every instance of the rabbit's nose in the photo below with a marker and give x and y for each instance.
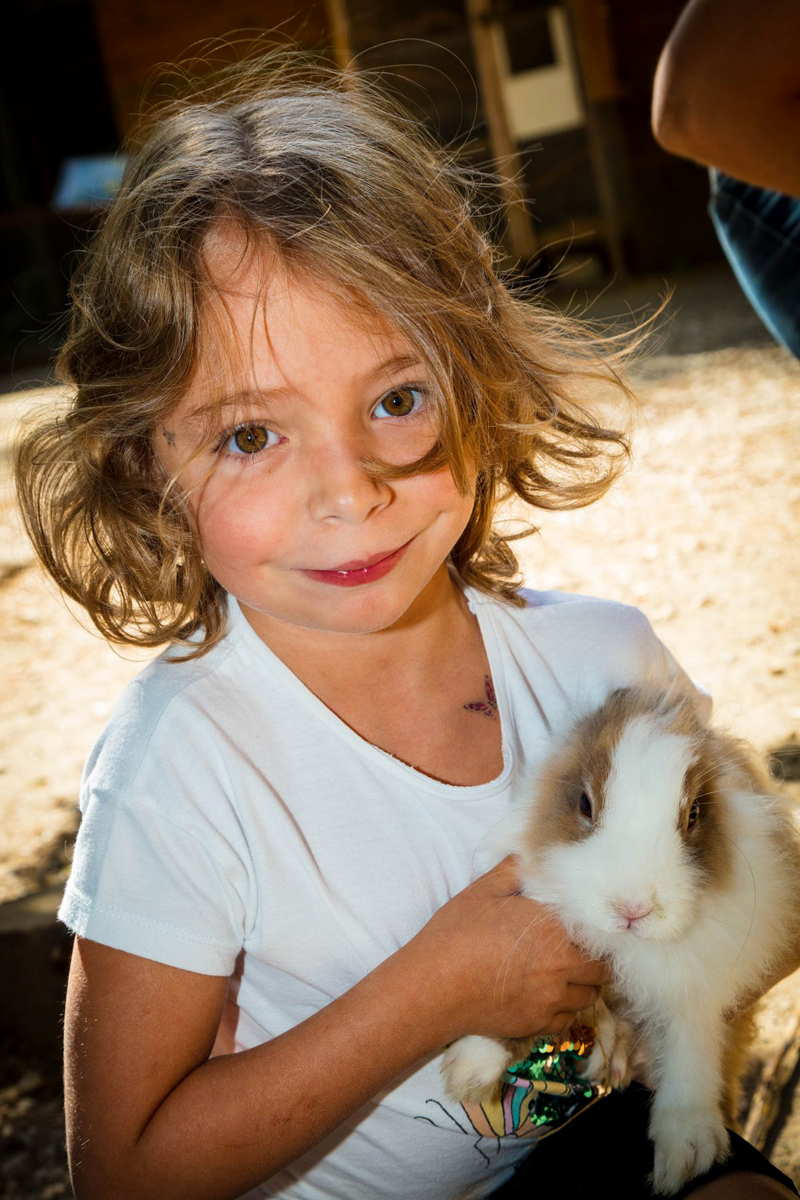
(631, 910)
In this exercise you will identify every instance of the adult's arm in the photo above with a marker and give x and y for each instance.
(727, 90)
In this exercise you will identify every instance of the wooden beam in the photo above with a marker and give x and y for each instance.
(521, 237)
(592, 33)
(593, 82)
(339, 26)
(136, 36)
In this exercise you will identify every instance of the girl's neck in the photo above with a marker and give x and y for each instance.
(413, 649)
(410, 689)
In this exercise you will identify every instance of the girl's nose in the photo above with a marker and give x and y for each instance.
(338, 486)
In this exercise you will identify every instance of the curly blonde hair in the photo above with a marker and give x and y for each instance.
(342, 183)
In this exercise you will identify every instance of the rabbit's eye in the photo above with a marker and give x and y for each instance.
(585, 805)
(694, 813)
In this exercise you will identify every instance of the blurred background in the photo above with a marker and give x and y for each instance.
(554, 100)
(560, 94)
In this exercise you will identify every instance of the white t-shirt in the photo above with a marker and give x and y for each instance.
(234, 825)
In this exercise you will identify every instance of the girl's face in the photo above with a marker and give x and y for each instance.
(277, 495)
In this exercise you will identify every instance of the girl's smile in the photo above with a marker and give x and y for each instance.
(354, 574)
(289, 520)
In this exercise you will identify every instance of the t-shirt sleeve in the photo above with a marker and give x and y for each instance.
(158, 868)
(596, 646)
(661, 669)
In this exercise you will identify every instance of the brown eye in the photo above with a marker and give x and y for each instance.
(401, 402)
(694, 813)
(250, 438)
(585, 805)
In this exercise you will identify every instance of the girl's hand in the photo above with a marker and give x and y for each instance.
(505, 964)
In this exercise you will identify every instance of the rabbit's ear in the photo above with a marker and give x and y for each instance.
(626, 702)
(740, 765)
(704, 820)
(572, 785)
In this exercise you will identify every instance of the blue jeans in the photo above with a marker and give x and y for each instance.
(759, 231)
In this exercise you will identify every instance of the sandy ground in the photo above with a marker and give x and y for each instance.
(699, 534)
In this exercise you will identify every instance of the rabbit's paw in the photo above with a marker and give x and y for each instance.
(610, 1059)
(472, 1068)
(687, 1142)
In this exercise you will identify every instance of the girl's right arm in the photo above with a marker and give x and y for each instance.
(149, 1115)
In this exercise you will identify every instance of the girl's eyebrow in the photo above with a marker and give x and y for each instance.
(201, 414)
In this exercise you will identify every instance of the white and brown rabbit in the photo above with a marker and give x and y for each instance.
(663, 847)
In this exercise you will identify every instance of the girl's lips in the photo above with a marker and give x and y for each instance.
(355, 576)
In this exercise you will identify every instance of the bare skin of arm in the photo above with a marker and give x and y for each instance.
(727, 90)
(149, 1115)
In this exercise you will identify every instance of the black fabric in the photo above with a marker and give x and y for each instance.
(606, 1151)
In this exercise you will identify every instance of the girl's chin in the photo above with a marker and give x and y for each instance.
(332, 609)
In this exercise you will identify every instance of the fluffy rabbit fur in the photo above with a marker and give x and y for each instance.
(663, 847)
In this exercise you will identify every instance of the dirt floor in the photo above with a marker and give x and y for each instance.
(699, 534)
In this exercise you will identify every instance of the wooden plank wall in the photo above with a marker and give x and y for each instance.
(660, 199)
(664, 197)
(137, 35)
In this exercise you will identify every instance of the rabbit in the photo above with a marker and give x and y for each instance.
(663, 847)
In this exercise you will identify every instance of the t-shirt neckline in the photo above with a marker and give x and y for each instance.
(478, 604)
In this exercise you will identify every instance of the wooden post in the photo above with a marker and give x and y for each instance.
(597, 80)
(520, 234)
(339, 25)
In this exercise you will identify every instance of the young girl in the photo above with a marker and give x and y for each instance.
(300, 392)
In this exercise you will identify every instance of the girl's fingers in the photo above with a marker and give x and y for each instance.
(583, 997)
(593, 971)
(507, 870)
(595, 974)
(562, 1021)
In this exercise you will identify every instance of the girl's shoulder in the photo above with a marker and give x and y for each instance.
(588, 644)
(161, 866)
(169, 708)
(571, 618)
(584, 621)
